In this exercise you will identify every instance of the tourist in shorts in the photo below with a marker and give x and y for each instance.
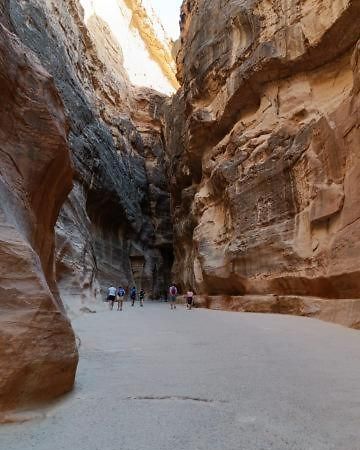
(120, 298)
(111, 296)
(173, 294)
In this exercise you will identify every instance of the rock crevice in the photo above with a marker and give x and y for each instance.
(120, 201)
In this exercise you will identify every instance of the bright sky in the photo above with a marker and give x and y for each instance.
(169, 14)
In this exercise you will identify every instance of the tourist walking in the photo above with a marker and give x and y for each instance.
(133, 295)
(111, 296)
(142, 297)
(189, 299)
(120, 298)
(173, 294)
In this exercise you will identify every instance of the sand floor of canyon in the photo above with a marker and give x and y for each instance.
(154, 379)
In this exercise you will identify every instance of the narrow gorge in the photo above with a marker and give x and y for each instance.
(233, 171)
(84, 195)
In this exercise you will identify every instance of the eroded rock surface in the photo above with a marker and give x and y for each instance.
(115, 227)
(264, 139)
(38, 355)
(66, 94)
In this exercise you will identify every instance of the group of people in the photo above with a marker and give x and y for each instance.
(118, 295)
(173, 293)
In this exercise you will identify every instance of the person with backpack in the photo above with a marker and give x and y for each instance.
(111, 296)
(142, 297)
(173, 293)
(133, 295)
(120, 298)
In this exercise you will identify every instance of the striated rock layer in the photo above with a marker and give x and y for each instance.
(264, 146)
(38, 355)
(115, 227)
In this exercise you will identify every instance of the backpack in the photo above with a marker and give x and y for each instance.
(173, 290)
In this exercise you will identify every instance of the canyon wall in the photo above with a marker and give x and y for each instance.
(78, 128)
(115, 227)
(262, 152)
(264, 141)
(38, 355)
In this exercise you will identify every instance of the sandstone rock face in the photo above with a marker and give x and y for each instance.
(263, 138)
(115, 227)
(67, 93)
(38, 355)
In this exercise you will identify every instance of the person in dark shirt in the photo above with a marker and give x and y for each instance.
(142, 297)
(120, 297)
(133, 295)
(173, 294)
(189, 299)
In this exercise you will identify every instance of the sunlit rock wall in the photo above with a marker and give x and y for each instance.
(264, 141)
(145, 47)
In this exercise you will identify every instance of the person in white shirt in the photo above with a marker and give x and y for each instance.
(111, 296)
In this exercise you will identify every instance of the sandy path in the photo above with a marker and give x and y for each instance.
(153, 379)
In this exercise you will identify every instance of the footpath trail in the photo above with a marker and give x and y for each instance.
(154, 379)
